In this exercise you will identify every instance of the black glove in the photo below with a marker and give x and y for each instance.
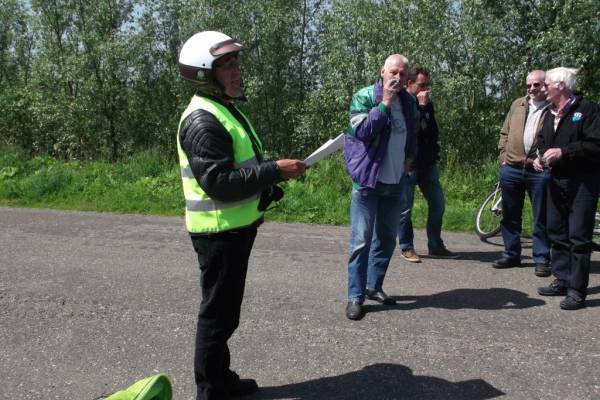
(273, 193)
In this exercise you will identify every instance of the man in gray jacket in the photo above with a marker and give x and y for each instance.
(518, 148)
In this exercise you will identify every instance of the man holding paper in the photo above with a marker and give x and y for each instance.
(379, 148)
(227, 184)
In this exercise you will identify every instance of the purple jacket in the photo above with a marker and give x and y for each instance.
(368, 134)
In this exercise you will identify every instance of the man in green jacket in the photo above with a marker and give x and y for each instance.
(379, 149)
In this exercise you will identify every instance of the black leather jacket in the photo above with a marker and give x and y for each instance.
(209, 149)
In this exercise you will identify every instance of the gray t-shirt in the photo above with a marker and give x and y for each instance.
(392, 167)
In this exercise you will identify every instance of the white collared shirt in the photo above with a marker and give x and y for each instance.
(533, 120)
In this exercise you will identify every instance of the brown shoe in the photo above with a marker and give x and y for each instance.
(411, 256)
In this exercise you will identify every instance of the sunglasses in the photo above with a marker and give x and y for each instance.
(227, 62)
(535, 85)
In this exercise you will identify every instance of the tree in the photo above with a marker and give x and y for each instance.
(83, 79)
(16, 57)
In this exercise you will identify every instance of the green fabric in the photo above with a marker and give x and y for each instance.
(203, 214)
(362, 102)
(383, 108)
(156, 387)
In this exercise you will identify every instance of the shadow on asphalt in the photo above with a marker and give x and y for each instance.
(592, 303)
(526, 241)
(477, 299)
(379, 382)
(593, 290)
(482, 256)
(589, 303)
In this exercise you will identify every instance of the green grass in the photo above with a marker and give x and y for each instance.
(144, 184)
(149, 183)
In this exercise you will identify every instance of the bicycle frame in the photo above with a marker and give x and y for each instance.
(497, 201)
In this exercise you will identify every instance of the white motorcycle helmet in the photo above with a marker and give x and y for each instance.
(197, 56)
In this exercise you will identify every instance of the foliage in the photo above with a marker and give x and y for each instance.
(149, 183)
(98, 80)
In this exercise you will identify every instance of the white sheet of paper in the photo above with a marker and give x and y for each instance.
(330, 146)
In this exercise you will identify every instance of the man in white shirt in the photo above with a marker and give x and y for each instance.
(518, 150)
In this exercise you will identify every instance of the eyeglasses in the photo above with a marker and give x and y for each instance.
(227, 62)
(535, 85)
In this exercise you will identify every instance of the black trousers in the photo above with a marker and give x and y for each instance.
(571, 209)
(223, 260)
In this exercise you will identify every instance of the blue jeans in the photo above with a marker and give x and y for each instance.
(428, 180)
(374, 215)
(514, 182)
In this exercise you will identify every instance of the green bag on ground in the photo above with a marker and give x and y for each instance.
(155, 387)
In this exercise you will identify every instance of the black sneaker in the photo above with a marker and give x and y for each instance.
(379, 296)
(239, 387)
(243, 387)
(571, 303)
(354, 310)
(554, 289)
(506, 262)
(442, 252)
(542, 270)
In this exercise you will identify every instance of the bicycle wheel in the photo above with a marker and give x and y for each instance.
(487, 222)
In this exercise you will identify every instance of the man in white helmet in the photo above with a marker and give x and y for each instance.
(227, 186)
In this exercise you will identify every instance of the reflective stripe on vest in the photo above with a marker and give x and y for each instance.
(202, 213)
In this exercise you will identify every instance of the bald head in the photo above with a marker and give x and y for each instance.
(537, 74)
(396, 68)
(535, 85)
(394, 59)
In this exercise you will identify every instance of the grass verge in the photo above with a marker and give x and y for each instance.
(149, 183)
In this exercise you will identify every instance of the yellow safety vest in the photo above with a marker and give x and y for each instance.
(202, 213)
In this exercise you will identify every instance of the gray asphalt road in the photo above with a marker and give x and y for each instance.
(90, 303)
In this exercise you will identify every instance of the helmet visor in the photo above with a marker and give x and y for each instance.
(226, 47)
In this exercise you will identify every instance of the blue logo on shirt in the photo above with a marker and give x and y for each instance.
(577, 116)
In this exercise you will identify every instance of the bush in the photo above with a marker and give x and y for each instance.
(149, 183)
